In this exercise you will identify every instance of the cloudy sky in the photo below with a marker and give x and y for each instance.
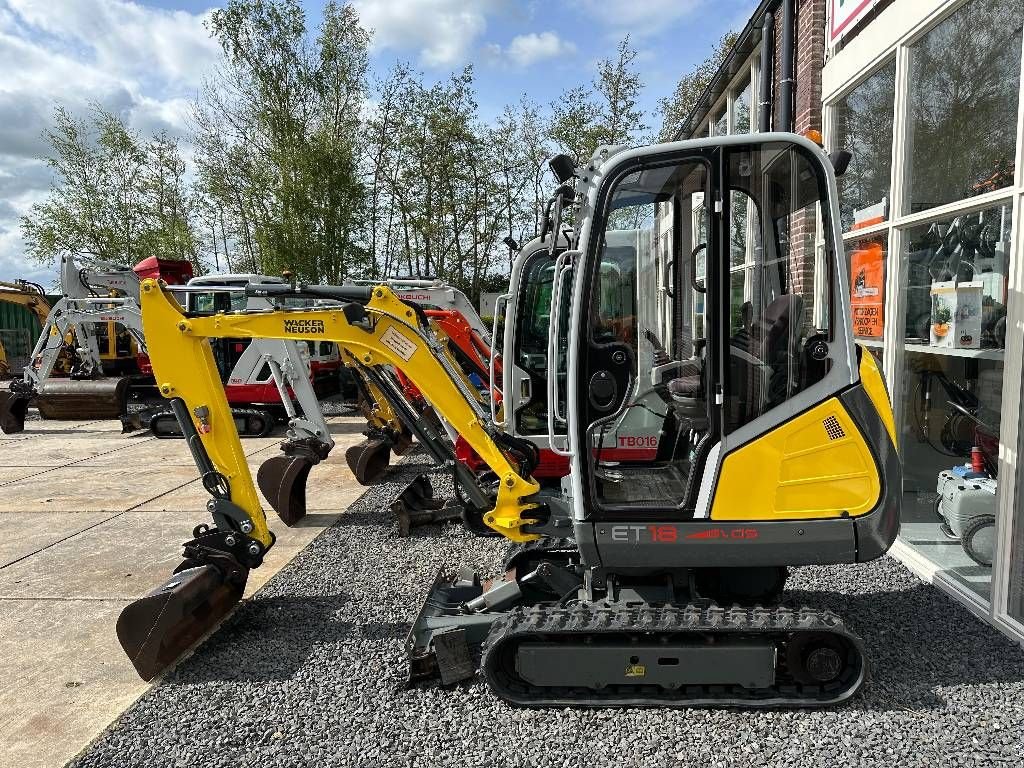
(145, 59)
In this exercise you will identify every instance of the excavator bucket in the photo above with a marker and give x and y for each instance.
(283, 481)
(368, 460)
(13, 407)
(156, 629)
(64, 399)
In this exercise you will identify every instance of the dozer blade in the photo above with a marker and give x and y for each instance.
(13, 408)
(283, 481)
(67, 399)
(156, 629)
(368, 460)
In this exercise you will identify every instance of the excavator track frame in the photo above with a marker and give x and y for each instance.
(686, 655)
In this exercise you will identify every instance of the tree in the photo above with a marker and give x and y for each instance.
(675, 109)
(277, 134)
(573, 127)
(618, 85)
(115, 197)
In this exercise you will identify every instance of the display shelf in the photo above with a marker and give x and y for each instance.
(871, 343)
(977, 354)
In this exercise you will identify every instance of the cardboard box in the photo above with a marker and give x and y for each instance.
(942, 325)
(967, 326)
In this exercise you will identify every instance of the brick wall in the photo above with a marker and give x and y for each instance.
(810, 57)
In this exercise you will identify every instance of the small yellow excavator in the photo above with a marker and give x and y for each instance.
(647, 580)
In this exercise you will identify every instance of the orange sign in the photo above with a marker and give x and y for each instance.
(867, 292)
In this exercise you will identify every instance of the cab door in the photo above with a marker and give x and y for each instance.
(643, 405)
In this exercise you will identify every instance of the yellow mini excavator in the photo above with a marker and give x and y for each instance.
(648, 579)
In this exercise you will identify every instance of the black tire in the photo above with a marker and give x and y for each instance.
(979, 539)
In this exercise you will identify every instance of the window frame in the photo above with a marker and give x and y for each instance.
(893, 33)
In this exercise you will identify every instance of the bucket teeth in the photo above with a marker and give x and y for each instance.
(157, 629)
(368, 460)
(283, 481)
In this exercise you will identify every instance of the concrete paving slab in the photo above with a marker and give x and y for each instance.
(65, 678)
(10, 474)
(22, 533)
(122, 558)
(72, 555)
(56, 452)
(52, 427)
(330, 488)
(114, 488)
(148, 453)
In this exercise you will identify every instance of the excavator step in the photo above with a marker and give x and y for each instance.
(599, 655)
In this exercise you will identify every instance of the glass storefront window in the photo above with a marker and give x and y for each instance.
(863, 126)
(963, 87)
(866, 260)
(953, 277)
(741, 109)
(720, 126)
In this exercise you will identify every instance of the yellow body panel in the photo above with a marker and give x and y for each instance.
(873, 383)
(818, 465)
(183, 364)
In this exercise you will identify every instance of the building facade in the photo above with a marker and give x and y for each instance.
(927, 95)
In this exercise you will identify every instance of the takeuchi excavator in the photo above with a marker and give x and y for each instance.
(650, 580)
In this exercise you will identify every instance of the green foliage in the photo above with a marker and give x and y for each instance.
(676, 108)
(278, 131)
(296, 169)
(116, 197)
(584, 118)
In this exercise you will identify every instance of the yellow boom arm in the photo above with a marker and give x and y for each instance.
(184, 367)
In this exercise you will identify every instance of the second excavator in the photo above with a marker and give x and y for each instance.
(695, 288)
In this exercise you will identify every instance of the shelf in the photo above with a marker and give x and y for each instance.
(977, 354)
(870, 343)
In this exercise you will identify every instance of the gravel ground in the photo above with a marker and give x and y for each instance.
(311, 672)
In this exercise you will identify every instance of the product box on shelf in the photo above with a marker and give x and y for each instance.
(968, 314)
(942, 328)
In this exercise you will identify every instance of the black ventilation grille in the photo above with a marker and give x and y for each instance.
(833, 428)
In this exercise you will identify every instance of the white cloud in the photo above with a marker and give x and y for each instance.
(126, 38)
(525, 50)
(441, 32)
(639, 18)
(144, 64)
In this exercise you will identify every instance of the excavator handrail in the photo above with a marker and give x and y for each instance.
(384, 332)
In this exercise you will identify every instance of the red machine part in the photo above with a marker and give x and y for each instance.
(172, 272)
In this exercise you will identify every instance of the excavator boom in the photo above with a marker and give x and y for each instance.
(378, 330)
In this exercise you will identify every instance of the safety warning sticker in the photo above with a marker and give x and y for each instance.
(399, 344)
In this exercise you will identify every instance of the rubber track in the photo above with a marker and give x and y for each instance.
(268, 420)
(576, 623)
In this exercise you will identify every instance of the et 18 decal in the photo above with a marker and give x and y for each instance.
(669, 534)
(304, 327)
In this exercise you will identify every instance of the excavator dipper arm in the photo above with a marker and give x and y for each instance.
(157, 628)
